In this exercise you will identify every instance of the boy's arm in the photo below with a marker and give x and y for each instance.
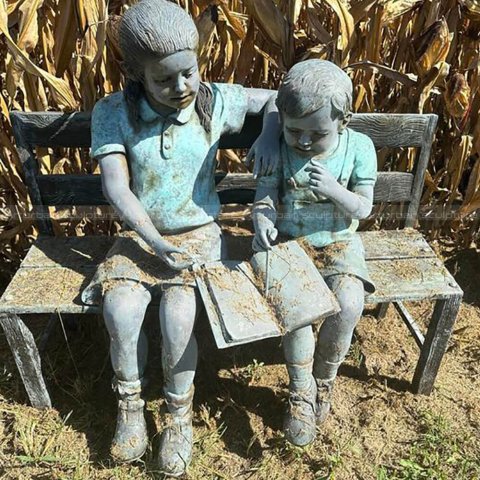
(356, 204)
(265, 149)
(116, 188)
(264, 215)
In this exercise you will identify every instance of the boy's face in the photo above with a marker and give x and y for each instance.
(312, 134)
(172, 81)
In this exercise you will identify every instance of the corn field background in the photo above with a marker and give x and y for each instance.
(403, 56)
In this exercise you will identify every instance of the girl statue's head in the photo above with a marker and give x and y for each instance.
(315, 101)
(159, 42)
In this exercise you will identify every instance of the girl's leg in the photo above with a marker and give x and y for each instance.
(178, 310)
(299, 423)
(124, 309)
(335, 337)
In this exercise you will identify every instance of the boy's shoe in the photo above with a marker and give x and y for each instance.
(299, 422)
(324, 400)
(175, 451)
(130, 440)
(176, 443)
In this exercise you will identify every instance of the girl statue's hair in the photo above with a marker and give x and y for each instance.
(156, 29)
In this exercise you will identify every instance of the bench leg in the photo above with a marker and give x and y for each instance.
(436, 342)
(26, 356)
(381, 310)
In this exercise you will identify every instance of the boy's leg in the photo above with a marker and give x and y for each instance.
(299, 424)
(124, 309)
(335, 337)
(178, 310)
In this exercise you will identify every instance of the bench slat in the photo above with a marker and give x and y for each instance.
(69, 190)
(57, 129)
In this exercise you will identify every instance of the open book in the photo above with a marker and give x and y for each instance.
(274, 293)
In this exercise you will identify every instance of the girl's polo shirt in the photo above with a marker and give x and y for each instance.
(300, 212)
(171, 159)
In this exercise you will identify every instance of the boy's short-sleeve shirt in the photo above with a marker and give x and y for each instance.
(300, 212)
(171, 159)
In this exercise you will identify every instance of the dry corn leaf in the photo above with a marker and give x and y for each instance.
(13, 232)
(360, 9)
(316, 26)
(59, 88)
(461, 150)
(234, 23)
(206, 23)
(471, 206)
(408, 79)
(294, 9)
(13, 5)
(436, 75)
(347, 24)
(397, 8)
(432, 46)
(457, 96)
(473, 8)
(28, 36)
(473, 183)
(247, 54)
(269, 20)
(65, 34)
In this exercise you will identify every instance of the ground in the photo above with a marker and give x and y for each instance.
(377, 430)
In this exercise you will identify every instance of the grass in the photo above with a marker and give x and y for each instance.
(376, 431)
(440, 453)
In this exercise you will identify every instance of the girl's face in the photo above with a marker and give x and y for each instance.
(313, 134)
(172, 81)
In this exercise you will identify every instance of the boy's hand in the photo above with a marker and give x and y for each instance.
(265, 232)
(266, 152)
(168, 253)
(322, 182)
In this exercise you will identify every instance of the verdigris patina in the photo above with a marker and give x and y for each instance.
(156, 143)
(323, 185)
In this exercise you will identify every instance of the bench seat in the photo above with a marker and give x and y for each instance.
(401, 263)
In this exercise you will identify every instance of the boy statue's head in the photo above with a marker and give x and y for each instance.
(314, 100)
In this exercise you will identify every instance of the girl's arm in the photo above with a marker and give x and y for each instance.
(265, 149)
(116, 188)
(264, 217)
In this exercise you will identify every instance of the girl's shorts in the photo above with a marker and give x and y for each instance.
(130, 258)
(344, 258)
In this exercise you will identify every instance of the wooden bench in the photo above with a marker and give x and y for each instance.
(55, 270)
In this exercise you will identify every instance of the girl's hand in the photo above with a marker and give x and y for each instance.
(322, 182)
(174, 257)
(266, 152)
(265, 232)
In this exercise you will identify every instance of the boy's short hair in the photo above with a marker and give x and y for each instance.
(310, 84)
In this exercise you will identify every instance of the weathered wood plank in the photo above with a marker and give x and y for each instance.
(395, 244)
(420, 169)
(51, 129)
(382, 309)
(411, 324)
(410, 279)
(435, 344)
(46, 290)
(30, 171)
(71, 252)
(67, 190)
(392, 130)
(26, 357)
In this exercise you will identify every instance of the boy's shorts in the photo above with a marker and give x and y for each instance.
(130, 258)
(344, 258)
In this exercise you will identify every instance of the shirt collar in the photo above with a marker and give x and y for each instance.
(180, 117)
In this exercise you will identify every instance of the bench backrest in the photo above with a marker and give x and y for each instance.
(56, 129)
